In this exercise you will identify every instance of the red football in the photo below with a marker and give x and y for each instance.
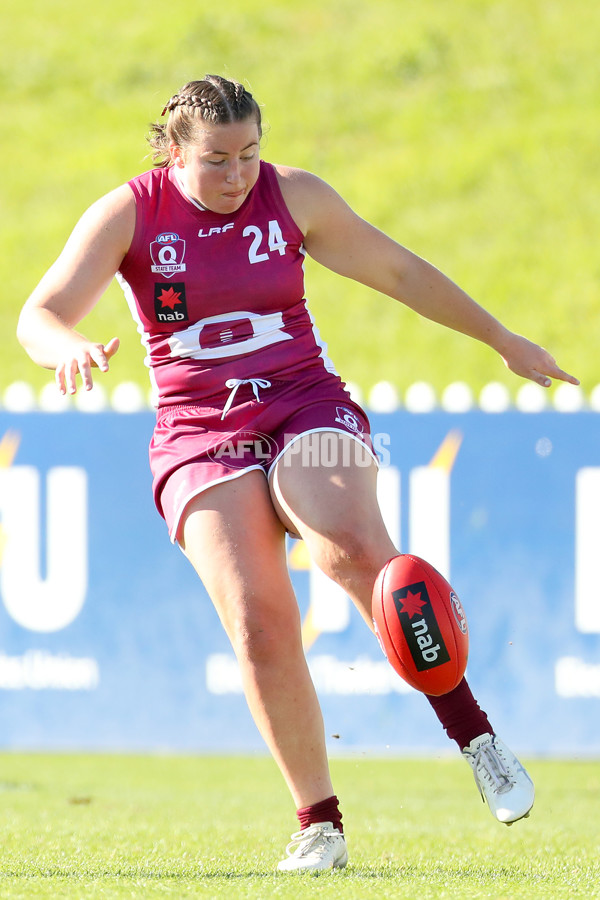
(421, 625)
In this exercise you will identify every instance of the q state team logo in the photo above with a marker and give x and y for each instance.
(349, 419)
(167, 252)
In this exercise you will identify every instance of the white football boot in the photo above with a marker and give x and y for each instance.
(501, 778)
(315, 849)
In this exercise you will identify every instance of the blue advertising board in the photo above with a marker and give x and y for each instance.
(109, 641)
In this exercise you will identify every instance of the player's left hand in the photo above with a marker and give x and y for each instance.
(529, 360)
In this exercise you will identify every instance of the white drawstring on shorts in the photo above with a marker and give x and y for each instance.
(234, 383)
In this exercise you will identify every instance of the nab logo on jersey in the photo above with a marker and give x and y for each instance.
(170, 304)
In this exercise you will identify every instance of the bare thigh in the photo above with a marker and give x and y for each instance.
(334, 509)
(235, 541)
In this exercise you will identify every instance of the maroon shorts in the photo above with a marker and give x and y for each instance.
(196, 447)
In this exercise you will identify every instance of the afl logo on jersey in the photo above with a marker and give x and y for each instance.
(167, 252)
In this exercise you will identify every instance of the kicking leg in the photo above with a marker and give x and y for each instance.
(335, 510)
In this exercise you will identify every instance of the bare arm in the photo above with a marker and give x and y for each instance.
(339, 239)
(71, 288)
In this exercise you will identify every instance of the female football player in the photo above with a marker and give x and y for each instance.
(209, 248)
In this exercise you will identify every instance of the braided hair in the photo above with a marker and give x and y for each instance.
(214, 99)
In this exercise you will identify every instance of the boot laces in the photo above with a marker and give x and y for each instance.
(493, 769)
(313, 839)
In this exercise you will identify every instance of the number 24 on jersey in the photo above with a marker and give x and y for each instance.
(273, 242)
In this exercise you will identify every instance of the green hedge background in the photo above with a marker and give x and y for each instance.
(466, 130)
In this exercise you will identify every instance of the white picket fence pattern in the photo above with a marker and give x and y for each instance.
(383, 397)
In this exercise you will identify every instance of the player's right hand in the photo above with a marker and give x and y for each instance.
(85, 356)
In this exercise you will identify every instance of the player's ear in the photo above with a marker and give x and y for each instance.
(177, 155)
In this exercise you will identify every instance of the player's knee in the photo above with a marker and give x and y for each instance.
(352, 554)
(264, 639)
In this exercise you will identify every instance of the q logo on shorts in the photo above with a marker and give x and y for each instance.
(349, 420)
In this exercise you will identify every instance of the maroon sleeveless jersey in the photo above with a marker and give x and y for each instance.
(218, 296)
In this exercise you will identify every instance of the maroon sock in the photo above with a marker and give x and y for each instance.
(325, 811)
(460, 714)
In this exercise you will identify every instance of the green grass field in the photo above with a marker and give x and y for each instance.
(144, 827)
(467, 130)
